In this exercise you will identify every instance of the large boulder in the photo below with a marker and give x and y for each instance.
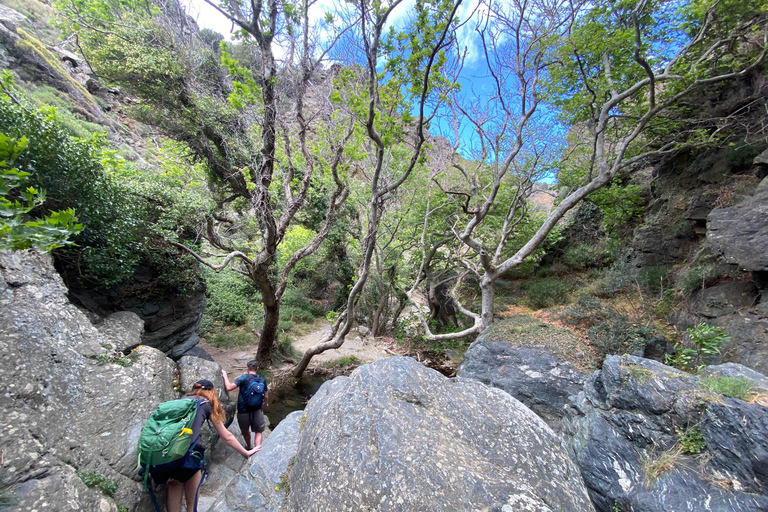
(397, 436)
(192, 369)
(536, 376)
(262, 484)
(749, 340)
(630, 428)
(758, 381)
(224, 466)
(740, 233)
(71, 405)
(123, 328)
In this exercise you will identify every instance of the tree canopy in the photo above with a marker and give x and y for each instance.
(433, 130)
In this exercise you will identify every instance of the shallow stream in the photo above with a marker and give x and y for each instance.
(283, 401)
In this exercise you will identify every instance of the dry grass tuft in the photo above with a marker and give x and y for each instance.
(656, 463)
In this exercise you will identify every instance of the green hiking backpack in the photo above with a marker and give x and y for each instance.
(166, 437)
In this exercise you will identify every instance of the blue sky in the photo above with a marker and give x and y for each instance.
(475, 83)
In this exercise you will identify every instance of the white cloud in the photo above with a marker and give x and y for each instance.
(208, 17)
(469, 15)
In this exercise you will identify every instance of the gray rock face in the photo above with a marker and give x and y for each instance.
(725, 299)
(223, 465)
(123, 329)
(537, 378)
(27, 56)
(179, 350)
(634, 411)
(734, 308)
(192, 369)
(397, 436)
(170, 325)
(63, 411)
(762, 158)
(175, 322)
(700, 204)
(199, 352)
(738, 371)
(68, 407)
(749, 340)
(261, 485)
(740, 233)
(655, 246)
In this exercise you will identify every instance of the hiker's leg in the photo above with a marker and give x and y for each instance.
(173, 493)
(190, 490)
(258, 424)
(244, 423)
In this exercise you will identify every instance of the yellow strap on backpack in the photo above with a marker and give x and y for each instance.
(185, 431)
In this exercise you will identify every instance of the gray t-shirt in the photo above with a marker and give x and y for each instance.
(204, 412)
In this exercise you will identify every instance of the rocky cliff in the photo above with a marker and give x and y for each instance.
(646, 437)
(705, 232)
(74, 405)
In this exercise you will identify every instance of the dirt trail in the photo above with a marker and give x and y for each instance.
(367, 350)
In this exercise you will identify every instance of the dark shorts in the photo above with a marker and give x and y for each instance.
(193, 463)
(253, 421)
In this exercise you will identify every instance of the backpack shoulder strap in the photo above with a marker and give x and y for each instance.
(201, 401)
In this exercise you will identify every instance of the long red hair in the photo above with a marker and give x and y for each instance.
(210, 394)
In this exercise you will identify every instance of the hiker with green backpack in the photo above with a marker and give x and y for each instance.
(170, 450)
(250, 398)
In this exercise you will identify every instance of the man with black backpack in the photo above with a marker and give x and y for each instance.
(253, 392)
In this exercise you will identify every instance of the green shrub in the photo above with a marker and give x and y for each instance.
(544, 293)
(285, 348)
(105, 485)
(653, 279)
(229, 338)
(733, 387)
(669, 300)
(69, 114)
(691, 441)
(615, 279)
(232, 298)
(609, 330)
(347, 361)
(584, 255)
(705, 343)
(696, 277)
(114, 357)
(17, 229)
(586, 311)
(618, 335)
(297, 307)
(122, 226)
(6, 499)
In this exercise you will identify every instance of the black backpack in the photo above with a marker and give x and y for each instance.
(253, 392)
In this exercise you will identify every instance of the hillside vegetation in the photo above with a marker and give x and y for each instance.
(422, 176)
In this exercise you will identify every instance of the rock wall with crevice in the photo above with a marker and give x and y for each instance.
(73, 403)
